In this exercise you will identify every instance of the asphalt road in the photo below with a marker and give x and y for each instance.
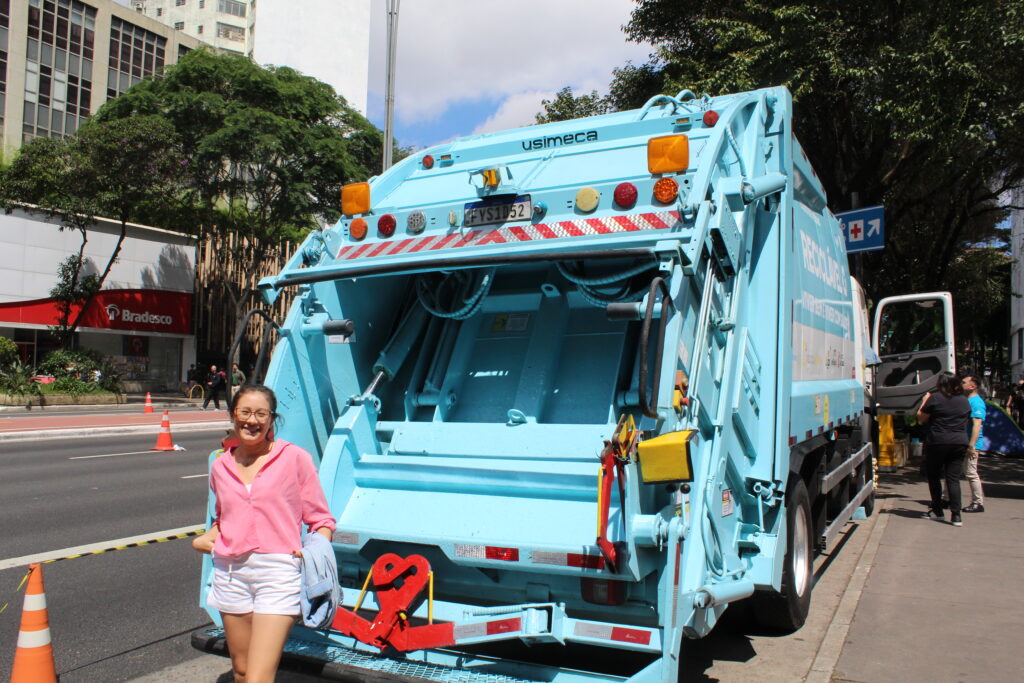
(120, 614)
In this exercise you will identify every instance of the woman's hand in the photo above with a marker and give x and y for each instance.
(324, 531)
(204, 543)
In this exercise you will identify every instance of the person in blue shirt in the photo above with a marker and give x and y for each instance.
(970, 387)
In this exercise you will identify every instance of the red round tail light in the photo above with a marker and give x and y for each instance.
(386, 225)
(710, 118)
(428, 162)
(625, 195)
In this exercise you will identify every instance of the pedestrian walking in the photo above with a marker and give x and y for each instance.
(947, 412)
(975, 428)
(266, 489)
(237, 379)
(215, 382)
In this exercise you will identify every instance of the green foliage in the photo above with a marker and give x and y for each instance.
(568, 106)
(267, 150)
(73, 288)
(8, 352)
(69, 362)
(72, 386)
(16, 379)
(914, 105)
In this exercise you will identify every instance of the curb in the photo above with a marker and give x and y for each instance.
(10, 437)
(831, 647)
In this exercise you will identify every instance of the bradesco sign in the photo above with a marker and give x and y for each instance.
(132, 310)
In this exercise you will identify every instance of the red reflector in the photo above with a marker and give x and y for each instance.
(710, 118)
(506, 554)
(386, 225)
(505, 626)
(625, 195)
(585, 561)
(428, 161)
(601, 592)
(631, 635)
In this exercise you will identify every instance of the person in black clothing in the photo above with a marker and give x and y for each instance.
(215, 383)
(947, 413)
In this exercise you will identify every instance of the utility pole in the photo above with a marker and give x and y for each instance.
(389, 94)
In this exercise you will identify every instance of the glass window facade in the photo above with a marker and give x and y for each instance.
(230, 32)
(231, 7)
(5, 20)
(58, 78)
(134, 54)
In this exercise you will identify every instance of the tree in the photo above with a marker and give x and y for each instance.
(914, 105)
(566, 106)
(115, 169)
(267, 149)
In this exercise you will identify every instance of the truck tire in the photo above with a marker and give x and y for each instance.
(868, 468)
(787, 610)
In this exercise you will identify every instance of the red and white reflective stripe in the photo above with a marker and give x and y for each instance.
(621, 634)
(488, 628)
(487, 552)
(567, 559)
(658, 220)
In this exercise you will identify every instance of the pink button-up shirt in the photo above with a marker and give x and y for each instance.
(285, 493)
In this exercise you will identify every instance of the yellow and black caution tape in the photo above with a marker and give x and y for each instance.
(17, 590)
(138, 544)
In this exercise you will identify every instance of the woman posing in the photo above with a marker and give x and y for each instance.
(946, 413)
(266, 489)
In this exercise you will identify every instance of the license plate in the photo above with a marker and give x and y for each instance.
(498, 210)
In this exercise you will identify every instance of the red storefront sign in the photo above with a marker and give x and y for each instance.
(132, 310)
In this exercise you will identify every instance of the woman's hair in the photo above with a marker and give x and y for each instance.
(267, 392)
(949, 385)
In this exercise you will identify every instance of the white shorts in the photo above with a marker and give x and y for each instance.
(264, 583)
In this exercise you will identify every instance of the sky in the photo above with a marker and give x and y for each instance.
(473, 67)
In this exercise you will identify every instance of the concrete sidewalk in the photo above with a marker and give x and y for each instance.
(942, 603)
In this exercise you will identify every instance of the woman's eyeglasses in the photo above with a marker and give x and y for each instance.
(246, 413)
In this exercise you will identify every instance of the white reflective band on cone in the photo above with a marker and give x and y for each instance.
(34, 638)
(35, 602)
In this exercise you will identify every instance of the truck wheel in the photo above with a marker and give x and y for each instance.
(787, 609)
(868, 469)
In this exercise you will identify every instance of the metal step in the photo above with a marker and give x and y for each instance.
(350, 665)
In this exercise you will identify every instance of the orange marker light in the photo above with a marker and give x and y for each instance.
(668, 154)
(666, 190)
(491, 177)
(357, 229)
(355, 199)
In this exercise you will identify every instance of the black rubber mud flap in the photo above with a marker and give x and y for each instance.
(787, 610)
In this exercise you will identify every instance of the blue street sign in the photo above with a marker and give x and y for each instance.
(864, 229)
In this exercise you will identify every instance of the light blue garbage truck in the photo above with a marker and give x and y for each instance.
(573, 390)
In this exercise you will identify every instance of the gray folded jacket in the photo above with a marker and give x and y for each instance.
(320, 594)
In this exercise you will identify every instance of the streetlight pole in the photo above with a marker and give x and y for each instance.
(389, 95)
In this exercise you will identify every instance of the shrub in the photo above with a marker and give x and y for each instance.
(8, 353)
(17, 380)
(71, 385)
(82, 361)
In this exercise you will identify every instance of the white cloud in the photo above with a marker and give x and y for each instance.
(516, 111)
(452, 51)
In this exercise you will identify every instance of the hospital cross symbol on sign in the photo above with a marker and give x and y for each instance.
(863, 229)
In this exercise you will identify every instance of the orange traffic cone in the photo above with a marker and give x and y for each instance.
(33, 660)
(164, 442)
(149, 404)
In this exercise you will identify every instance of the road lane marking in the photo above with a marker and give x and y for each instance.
(93, 547)
(112, 455)
(193, 476)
